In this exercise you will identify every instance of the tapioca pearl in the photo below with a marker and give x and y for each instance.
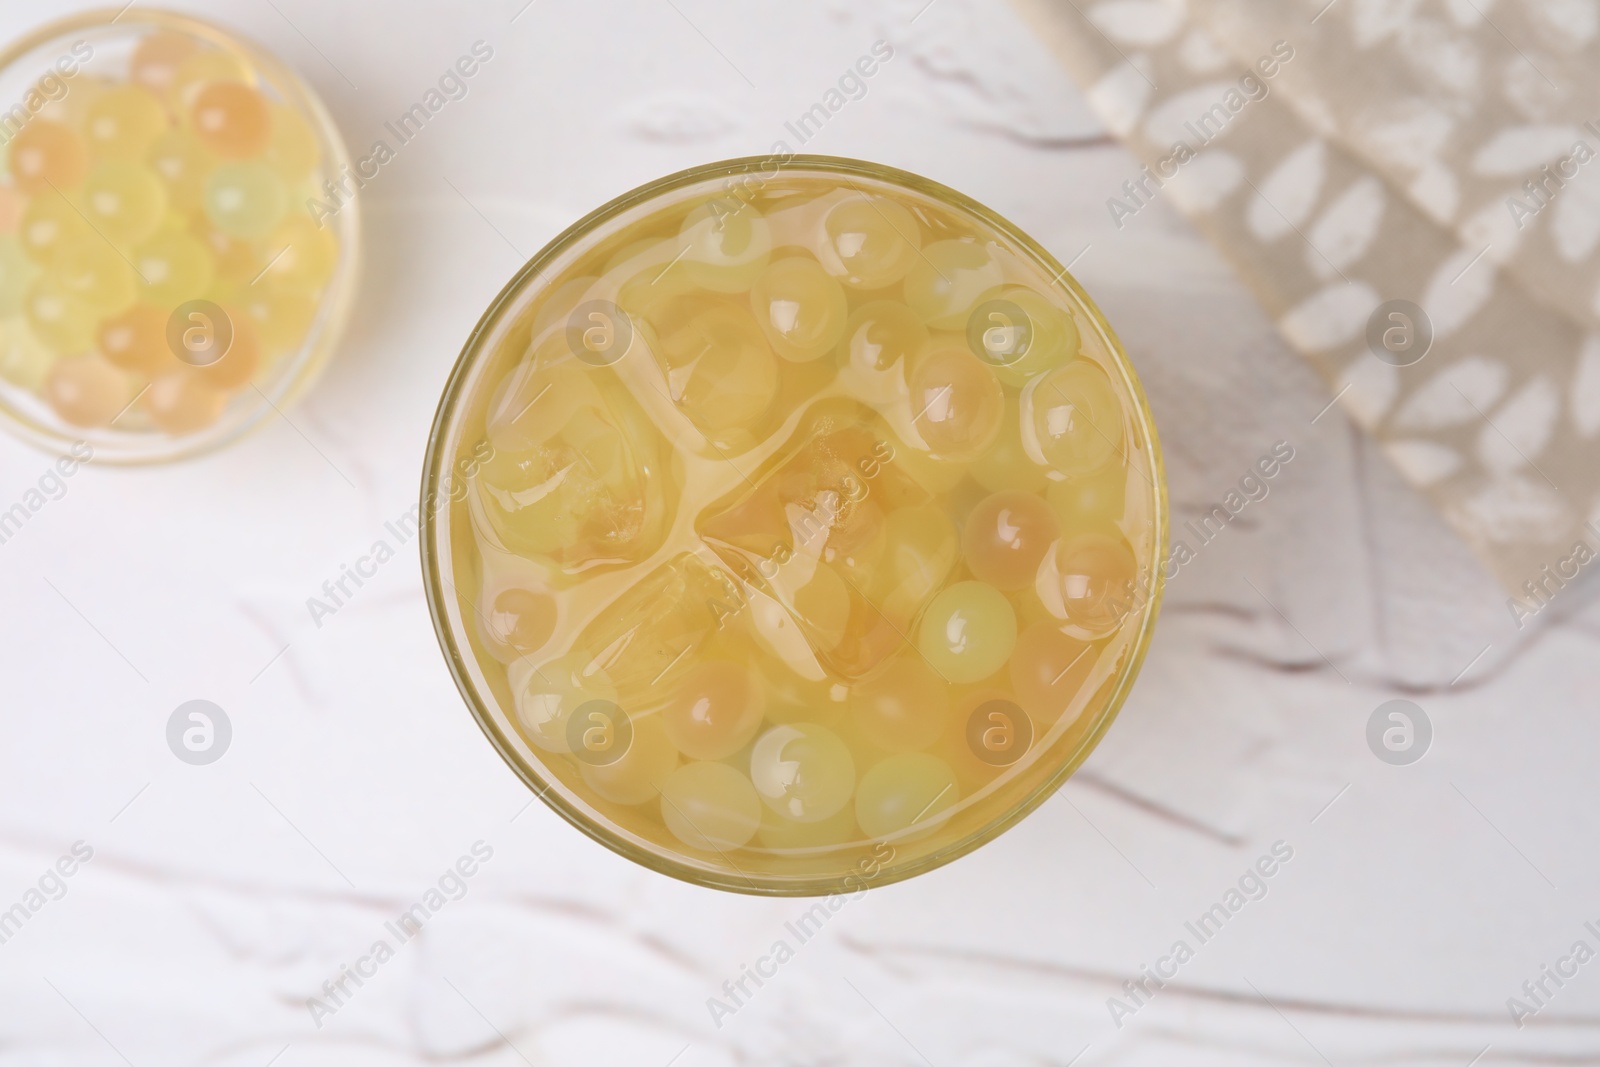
(86, 390)
(232, 119)
(710, 807)
(802, 771)
(47, 156)
(824, 835)
(204, 68)
(720, 368)
(183, 165)
(957, 405)
(292, 150)
(50, 224)
(1007, 464)
(882, 341)
(725, 244)
(283, 317)
(72, 108)
(1074, 419)
(801, 309)
(968, 632)
(136, 340)
(532, 403)
(236, 259)
(873, 241)
(17, 273)
(1098, 582)
(227, 292)
(1006, 538)
(715, 710)
(1091, 500)
(123, 122)
(638, 775)
(11, 204)
(178, 402)
(545, 696)
(239, 363)
(912, 789)
(948, 280)
(921, 548)
(174, 266)
(299, 255)
(246, 199)
(98, 275)
(157, 57)
(1048, 669)
(64, 321)
(125, 202)
(24, 359)
(1053, 336)
(903, 709)
(522, 620)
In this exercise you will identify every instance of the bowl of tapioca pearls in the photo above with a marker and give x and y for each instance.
(173, 271)
(791, 525)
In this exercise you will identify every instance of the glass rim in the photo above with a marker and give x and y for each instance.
(334, 306)
(436, 585)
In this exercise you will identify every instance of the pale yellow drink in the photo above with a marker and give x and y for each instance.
(795, 523)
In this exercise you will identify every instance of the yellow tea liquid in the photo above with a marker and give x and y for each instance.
(805, 526)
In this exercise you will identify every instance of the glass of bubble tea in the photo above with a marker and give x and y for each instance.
(792, 525)
(178, 249)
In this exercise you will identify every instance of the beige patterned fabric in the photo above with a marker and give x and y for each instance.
(1343, 155)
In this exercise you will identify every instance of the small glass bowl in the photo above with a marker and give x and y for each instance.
(276, 288)
(583, 318)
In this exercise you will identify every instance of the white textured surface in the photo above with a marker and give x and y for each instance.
(1413, 907)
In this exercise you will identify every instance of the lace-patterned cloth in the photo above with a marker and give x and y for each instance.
(1343, 155)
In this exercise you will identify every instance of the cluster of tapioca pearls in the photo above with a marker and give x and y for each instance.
(1023, 415)
(724, 765)
(727, 772)
(743, 295)
(732, 764)
(134, 196)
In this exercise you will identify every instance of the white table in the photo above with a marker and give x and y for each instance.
(220, 898)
